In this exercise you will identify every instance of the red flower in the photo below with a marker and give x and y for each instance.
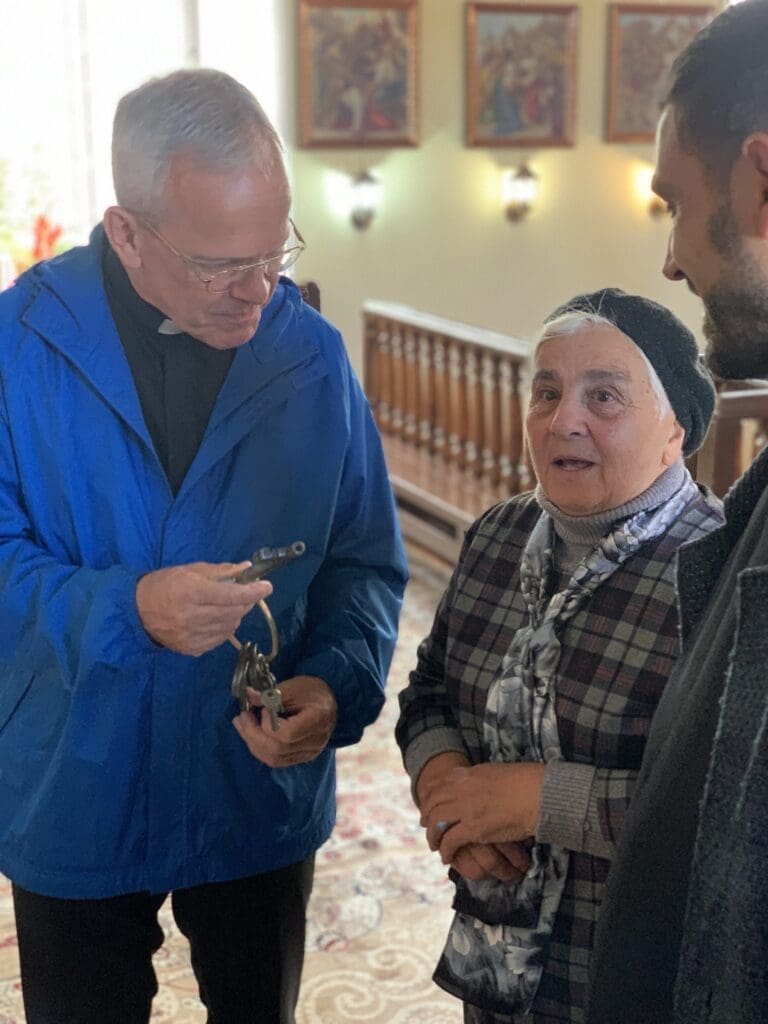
(45, 237)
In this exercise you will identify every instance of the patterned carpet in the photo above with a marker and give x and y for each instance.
(380, 907)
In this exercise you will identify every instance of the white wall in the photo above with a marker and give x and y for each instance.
(251, 41)
(441, 242)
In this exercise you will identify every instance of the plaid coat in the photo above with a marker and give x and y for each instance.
(617, 653)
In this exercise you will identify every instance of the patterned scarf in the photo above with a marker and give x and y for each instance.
(498, 940)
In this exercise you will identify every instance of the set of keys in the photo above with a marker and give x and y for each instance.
(252, 669)
(253, 666)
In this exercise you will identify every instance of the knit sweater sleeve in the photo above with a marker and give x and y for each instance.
(583, 807)
(427, 725)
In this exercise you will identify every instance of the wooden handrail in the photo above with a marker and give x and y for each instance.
(428, 322)
(739, 430)
(449, 389)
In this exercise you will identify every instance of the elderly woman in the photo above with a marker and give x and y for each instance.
(525, 719)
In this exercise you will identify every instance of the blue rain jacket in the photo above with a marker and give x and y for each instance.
(120, 770)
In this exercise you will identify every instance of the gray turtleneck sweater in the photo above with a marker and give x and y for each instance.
(568, 815)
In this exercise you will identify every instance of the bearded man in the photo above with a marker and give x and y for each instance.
(683, 937)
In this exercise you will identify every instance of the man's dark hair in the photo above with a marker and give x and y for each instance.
(719, 86)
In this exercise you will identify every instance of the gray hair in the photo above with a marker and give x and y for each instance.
(200, 111)
(577, 321)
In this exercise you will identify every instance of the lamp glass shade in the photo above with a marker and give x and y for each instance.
(366, 197)
(521, 186)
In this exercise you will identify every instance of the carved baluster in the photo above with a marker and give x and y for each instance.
(473, 436)
(456, 402)
(398, 380)
(759, 440)
(426, 424)
(728, 464)
(410, 388)
(521, 379)
(507, 463)
(752, 441)
(491, 453)
(370, 367)
(383, 339)
(374, 370)
(442, 400)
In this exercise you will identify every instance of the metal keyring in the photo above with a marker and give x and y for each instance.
(272, 631)
(273, 637)
(263, 561)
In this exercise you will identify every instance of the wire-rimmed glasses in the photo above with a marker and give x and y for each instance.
(221, 280)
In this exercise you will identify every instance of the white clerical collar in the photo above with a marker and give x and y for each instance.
(169, 327)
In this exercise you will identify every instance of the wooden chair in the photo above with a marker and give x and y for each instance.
(310, 292)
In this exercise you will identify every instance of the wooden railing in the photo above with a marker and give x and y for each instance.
(448, 401)
(739, 430)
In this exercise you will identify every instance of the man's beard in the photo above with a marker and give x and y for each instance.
(736, 321)
(736, 329)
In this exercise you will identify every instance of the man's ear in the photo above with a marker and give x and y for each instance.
(121, 228)
(755, 152)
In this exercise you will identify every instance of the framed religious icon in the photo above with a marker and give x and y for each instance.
(643, 41)
(358, 72)
(521, 74)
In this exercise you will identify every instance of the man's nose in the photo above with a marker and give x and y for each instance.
(671, 267)
(255, 286)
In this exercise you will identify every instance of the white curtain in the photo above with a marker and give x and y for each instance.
(65, 63)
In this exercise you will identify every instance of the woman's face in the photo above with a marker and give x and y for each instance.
(593, 426)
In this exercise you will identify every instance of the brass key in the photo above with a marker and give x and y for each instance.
(264, 681)
(273, 702)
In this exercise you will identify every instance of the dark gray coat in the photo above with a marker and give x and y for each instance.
(683, 937)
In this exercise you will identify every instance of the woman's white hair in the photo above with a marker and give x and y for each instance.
(577, 321)
(199, 111)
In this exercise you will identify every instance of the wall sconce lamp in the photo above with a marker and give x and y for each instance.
(521, 187)
(365, 197)
(655, 206)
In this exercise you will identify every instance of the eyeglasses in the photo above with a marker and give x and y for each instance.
(222, 280)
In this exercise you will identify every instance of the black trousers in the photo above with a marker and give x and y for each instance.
(90, 961)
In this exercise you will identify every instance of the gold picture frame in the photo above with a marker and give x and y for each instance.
(358, 73)
(643, 41)
(521, 74)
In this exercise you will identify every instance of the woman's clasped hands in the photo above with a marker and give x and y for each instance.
(481, 818)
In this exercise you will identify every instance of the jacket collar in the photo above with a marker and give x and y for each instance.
(702, 563)
(69, 309)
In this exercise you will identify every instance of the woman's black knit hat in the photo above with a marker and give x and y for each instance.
(669, 347)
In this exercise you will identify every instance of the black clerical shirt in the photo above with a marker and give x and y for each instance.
(177, 377)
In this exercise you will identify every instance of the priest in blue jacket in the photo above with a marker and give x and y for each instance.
(168, 405)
